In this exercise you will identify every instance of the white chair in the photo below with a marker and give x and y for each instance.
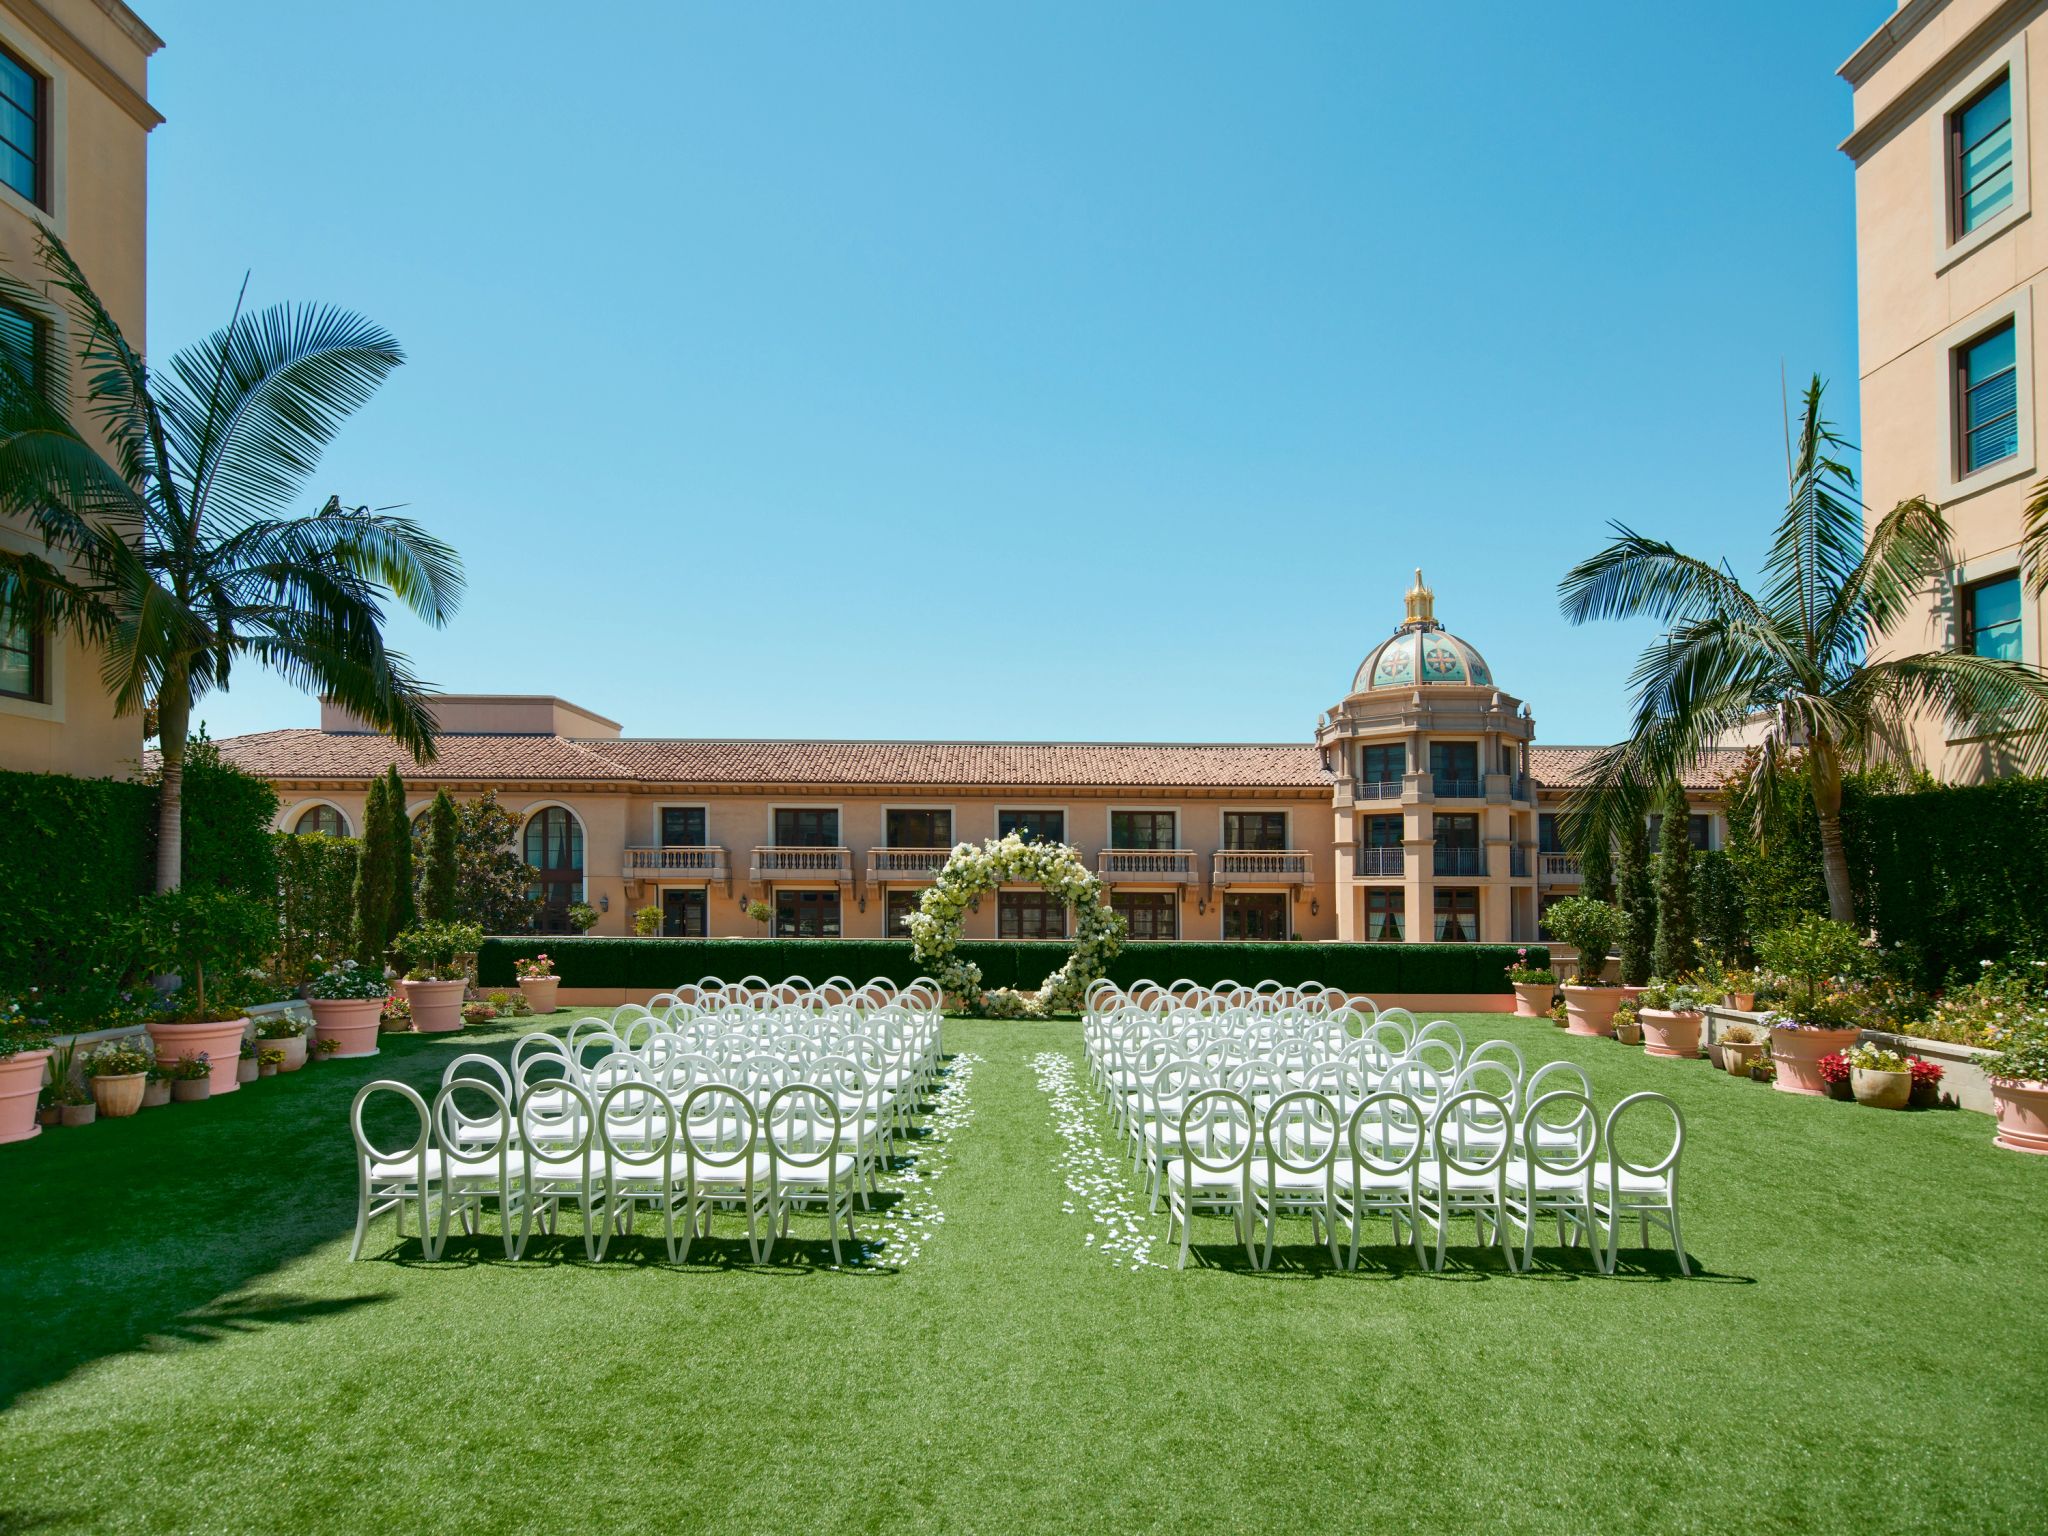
(1214, 1168)
(807, 1162)
(557, 1131)
(1293, 1173)
(1466, 1171)
(721, 1154)
(1551, 1171)
(1380, 1173)
(1626, 1186)
(636, 1129)
(389, 1175)
(478, 1159)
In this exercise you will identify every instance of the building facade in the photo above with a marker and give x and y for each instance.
(1948, 262)
(75, 120)
(1422, 810)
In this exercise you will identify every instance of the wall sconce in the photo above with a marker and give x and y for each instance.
(1313, 908)
(604, 903)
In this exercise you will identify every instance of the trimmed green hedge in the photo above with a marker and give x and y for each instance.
(657, 964)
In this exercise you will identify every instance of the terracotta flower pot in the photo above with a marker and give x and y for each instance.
(436, 1005)
(219, 1040)
(1590, 1010)
(1738, 1056)
(191, 1090)
(294, 1049)
(539, 992)
(119, 1097)
(156, 1093)
(2020, 1105)
(1629, 1034)
(1881, 1090)
(80, 1114)
(1631, 992)
(351, 1022)
(1668, 1033)
(1743, 1002)
(266, 1069)
(248, 1069)
(21, 1080)
(49, 1114)
(1798, 1053)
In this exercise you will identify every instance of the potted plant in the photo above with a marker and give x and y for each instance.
(761, 912)
(75, 1105)
(204, 935)
(24, 1056)
(1880, 1078)
(1763, 1069)
(2019, 1085)
(538, 982)
(1533, 984)
(1819, 1021)
(286, 1035)
(478, 1013)
(192, 1079)
(1833, 1071)
(118, 1071)
(1628, 1028)
(437, 958)
(582, 916)
(156, 1091)
(247, 1068)
(1672, 1013)
(322, 1049)
(1589, 926)
(269, 1061)
(1926, 1083)
(647, 921)
(1739, 1048)
(347, 999)
(1740, 990)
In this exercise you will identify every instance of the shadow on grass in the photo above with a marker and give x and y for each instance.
(1464, 1263)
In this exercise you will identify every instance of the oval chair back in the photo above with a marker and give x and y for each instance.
(393, 1171)
(557, 1134)
(636, 1131)
(473, 1128)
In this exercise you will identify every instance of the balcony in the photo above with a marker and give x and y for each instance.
(1147, 866)
(1518, 863)
(1380, 863)
(1447, 788)
(1376, 789)
(904, 864)
(1460, 861)
(700, 863)
(1557, 867)
(773, 863)
(1243, 866)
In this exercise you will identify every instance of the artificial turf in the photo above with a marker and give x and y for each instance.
(185, 1348)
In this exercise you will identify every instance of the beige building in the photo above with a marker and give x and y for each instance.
(1422, 809)
(74, 131)
(1948, 260)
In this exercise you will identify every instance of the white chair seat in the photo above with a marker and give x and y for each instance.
(1655, 1186)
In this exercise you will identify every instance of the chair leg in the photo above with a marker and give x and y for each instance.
(1678, 1241)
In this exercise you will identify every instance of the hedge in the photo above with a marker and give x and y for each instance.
(657, 964)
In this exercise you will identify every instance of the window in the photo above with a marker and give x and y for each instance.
(1151, 914)
(1547, 840)
(24, 124)
(900, 905)
(683, 912)
(1385, 913)
(1141, 829)
(682, 826)
(920, 829)
(1980, 167)
(1457, 917)
(1383, 832)
(1382, 765)
(806, 914)
(1030, 915)
(1991, 617)
(1033, 826)
(21, 341)
(554, 846)
(806, 828)
(321, 821)
(1987, 398)
(1457, 845)
(1454, 765)
(1382, 848)
(1255, 831)
(1255, 915)
(21, 657)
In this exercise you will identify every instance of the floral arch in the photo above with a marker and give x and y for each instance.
(974, 872)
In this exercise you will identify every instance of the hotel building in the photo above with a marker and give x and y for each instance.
(1422, 809)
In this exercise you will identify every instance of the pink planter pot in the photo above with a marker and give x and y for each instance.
(1670, 1034)
(219, 1040)
(436, 1005)
(21, 1079)
(1532, 999)
(540, 993)
(351, 1022)
(1590, 1010)
(2020, 1106)
(1797, 1053)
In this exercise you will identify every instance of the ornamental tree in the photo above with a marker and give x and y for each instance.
(371, 931)
(1638, 901)
(404, 907)
(438, 857)
(1674, 952)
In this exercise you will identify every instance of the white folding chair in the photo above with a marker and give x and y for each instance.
(389, 1175)
(1627, 1185)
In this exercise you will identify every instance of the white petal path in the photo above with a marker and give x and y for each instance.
(914, 1216)
(1094, 1176)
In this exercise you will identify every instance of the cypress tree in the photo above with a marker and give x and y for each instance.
(372, 925)
(1675, 952)
(404, 909)
(1596, 868)
(437, 883)
(1638, 901)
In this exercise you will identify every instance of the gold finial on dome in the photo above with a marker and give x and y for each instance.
(1421, 602)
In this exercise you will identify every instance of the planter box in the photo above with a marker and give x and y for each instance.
(2022, 1111)
(1797, 1053)
(1532, 998)
(539, 992)
(118, 1097)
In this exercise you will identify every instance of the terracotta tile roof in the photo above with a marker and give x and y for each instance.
(309, 754)
(1570, 767)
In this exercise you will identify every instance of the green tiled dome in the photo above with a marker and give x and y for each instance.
(1422, 651)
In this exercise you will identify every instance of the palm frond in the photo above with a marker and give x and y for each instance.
(1639, 577)
(1906, 552)
(1976, 695)
(1819, 540)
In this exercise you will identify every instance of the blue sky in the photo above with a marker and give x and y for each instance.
(1026, 371)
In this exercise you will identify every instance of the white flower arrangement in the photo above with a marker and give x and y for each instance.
(973, 872)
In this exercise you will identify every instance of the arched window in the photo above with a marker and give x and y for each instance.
(554, 846)
(322, 821)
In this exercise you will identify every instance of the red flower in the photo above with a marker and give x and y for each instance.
(1924, 1071)
(1834, 1067)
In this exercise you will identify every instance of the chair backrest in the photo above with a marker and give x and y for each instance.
(1472, 1133)
(481, 1068)
(719, 1126)
(1561, 1132)
(1438, 1054)
(1301, 1132)
(556, 1119)
(801, 1124)
(1218, 1131)
(1556, 1076)
(1504, 1051)
(1388, 1133)
(1443, 1029)
(368, 1150)
(636, 1126)
(1623, 1141)
(1490, 1076)
(1390, 1035)
(472, 1119)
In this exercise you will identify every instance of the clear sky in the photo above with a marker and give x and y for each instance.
(1026, 370)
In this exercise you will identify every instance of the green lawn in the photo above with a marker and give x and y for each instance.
(186, 1348)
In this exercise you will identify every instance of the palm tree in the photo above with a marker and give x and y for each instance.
(168, 539)
(1796, 654)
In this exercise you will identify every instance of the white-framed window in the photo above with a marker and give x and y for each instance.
(1988, 416)
(1981, 160)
